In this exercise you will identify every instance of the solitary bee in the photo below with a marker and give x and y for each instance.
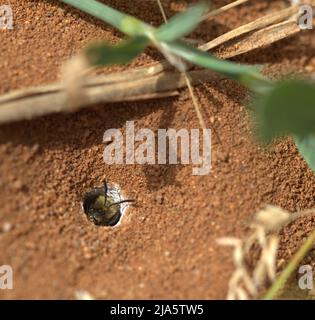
(101, 208)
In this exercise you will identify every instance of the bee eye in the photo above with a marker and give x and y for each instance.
(98, 217)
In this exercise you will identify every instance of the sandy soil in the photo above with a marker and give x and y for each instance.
(166, 245)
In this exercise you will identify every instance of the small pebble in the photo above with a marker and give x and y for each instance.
(6, 227)
(83, 295)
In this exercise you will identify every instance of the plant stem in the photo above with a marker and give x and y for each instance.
(188, 82)
(290, 268)
(162, 10)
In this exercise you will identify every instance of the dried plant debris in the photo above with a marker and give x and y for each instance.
(245, 283)
(73, 77)
(258, 24)
(271, 219)
(249, 281)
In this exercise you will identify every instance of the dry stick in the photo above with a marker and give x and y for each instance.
(145, 82)
(157, 86)
(190, 88)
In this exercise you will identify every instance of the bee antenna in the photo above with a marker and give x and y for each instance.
(105, 191)
(120, 202)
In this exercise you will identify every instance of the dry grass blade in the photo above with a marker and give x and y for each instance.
(260, 39)
(252, 26)
(162, 10)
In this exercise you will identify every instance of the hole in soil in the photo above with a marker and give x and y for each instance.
(105, 206)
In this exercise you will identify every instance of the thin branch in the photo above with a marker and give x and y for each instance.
(48, 99)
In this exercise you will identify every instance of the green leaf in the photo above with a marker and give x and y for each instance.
(177, 27)
(246, 75)
(288, 108)
(306, 146)
(102, 54)
(182, 24)
(127, 24)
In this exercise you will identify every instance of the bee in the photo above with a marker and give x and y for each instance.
(101, 208)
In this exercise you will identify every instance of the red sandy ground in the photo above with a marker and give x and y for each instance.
(166, 246)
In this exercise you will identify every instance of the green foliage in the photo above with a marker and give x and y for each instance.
(284, 108)
(288, 108)
(246, 75)
(293, 264)
(102, 54)
(166, 36)
(182, 24)
(306, 146)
